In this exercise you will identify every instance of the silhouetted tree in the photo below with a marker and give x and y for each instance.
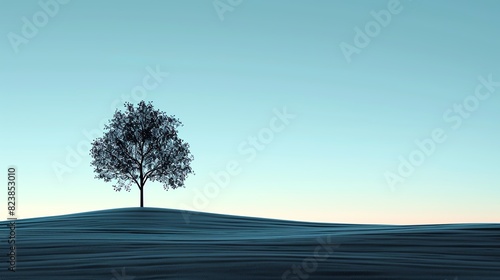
(139, 145)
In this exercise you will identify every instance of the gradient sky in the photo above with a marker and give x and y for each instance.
(354, 117)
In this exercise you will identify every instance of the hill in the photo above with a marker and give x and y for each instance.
(155, 243)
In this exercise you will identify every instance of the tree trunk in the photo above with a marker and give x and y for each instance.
(142, 196)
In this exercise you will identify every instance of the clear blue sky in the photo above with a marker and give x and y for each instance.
(229, 71)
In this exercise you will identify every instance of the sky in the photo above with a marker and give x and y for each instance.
(380, 112)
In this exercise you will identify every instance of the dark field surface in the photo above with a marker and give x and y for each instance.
(154, 243)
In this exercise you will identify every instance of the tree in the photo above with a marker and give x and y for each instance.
(141, 144)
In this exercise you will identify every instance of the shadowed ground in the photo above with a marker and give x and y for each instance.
(154, 243)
